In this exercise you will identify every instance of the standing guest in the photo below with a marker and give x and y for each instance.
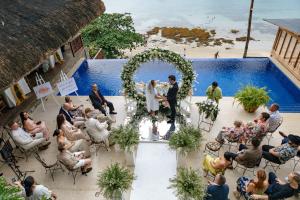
(74, 110)
(278, 189)
(217, 190)
(72, 146)
(248, 157)
(34, 127)
(74, 160)
(172, 98)
(71, 132)
(214, 92)
(152, 98)
(97, 131)
(32, 191)
(283, 153)
(26, 140)
(247, 187)
(216, 165)
(99, 102)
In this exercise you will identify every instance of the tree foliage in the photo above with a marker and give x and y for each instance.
(112, 33)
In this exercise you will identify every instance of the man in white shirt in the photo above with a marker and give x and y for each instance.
(97, 131)
(26, 140)
(275, 117)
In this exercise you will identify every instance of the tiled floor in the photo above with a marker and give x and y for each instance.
(85, 187)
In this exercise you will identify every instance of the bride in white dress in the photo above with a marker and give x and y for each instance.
(152, 98)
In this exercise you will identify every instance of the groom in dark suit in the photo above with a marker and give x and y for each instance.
(99, 102)
(172, 97)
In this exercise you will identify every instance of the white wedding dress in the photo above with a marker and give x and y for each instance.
(151, 101)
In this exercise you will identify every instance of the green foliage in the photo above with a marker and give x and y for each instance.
(186, 140)
(9, 192)
(188, 185)
(209, 108)
(112, 33)
(125, 136)
(114, 179)
(252, 97)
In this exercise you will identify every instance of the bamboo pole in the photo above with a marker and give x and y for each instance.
(249, 29)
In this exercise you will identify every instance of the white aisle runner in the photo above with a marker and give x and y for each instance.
(155, 165)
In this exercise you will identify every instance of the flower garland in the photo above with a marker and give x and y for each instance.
(209, 108)
(184, 66)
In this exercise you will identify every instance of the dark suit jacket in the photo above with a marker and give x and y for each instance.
(97, 103)
(67, 115)
(172, 93)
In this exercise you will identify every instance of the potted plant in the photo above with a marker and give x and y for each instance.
(114, 181)
(188, 185)
(185, 141)
(9, 192)
(252, 97)
(126, 138)
(209, 109)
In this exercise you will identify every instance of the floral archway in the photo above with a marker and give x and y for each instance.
(184, 66)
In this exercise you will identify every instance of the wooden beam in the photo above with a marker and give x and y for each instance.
(297, 60)
(293, 51)
(288, 46)
(278, 40)
(283, 43)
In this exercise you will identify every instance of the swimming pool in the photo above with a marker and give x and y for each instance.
(231, 74)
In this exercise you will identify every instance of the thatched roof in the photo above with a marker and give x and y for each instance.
(31, 29)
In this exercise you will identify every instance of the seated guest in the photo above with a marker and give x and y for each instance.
(231, 132)
(74, 160)
(71, 132)
(76, 121)
(34, 127)
(32, 191)
(72, 146)
(96, 114)
(97, 131)
(258, 128)
(275, 118)
(99, 102)
(247, 187)
(26, 140)
(283, 153)
(286, 140)
(248, 157)
(214, 92)
(217, 189)
(74, 110)
(216, 165)
(278, 189)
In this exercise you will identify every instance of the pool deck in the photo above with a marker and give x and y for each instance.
(85, 187)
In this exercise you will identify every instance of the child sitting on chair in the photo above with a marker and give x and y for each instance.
(232, 133)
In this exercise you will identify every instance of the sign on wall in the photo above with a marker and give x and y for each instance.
(43, 90)
(67, 87)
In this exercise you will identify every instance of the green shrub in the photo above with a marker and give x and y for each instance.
(114, 179)
(188, 185)
(252, 97)
(126, 136)
(9, 192)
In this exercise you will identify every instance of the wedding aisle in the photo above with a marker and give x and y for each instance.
(155, 165)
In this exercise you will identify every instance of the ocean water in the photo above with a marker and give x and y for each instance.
(222, 15)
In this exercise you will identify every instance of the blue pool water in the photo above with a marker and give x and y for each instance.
(231, 75)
